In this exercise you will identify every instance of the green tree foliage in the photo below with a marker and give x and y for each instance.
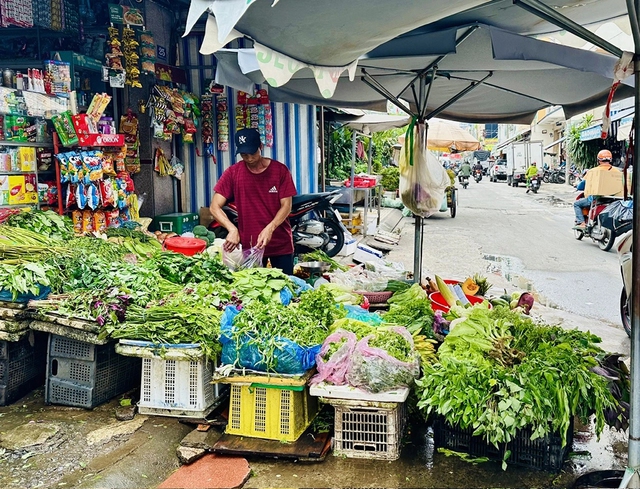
(583, 153)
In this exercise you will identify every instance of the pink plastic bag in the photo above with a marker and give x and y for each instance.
(334, 369)
(374, 370)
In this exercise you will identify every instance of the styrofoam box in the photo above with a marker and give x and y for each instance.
(179, 388)
(365, 253)
(349, 248)
(353, 393)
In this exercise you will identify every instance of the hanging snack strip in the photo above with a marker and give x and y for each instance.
(114, 56)
(131, 57)
(130, 128)
(148, 52)
(222, 118)
(206, 107)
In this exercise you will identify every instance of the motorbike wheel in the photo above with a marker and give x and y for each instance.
(545, 179)
(534, 190)
(572, 179)
(220, 232)
(336, 237)
(561, 178)
(608, 238)
(454, 203)
(578, 234)
(625, 312)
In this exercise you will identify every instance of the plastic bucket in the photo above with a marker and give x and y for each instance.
(186, 246)
(439, 304)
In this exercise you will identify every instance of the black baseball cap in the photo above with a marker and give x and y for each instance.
(247, 141)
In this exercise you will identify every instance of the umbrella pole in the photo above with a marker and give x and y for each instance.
(418, 221)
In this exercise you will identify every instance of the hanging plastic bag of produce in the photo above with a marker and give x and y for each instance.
(333, 359)
(383, 361)
(423, 179)
(241, 259)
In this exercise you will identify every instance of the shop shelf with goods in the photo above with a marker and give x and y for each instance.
(366, 425)
(95, 188)
(270, 406)
(86, 77)
(176, 379)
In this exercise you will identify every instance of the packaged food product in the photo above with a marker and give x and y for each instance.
(76, 218)
(16, 189)
(99, 221)
(87, 221)
(30, 188)
(107, 192)
(93, 196)
(92, 161)
(71, 195)
(64, 127)
(81, 195)
(113, 218)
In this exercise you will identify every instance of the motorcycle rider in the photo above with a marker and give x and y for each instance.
(532, 171)
(477, 167)
(465, 171)
(262, 190)
(604, 164)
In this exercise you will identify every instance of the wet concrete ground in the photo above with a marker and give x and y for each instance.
(496, 225)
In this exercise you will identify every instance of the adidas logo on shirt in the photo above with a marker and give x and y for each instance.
(273, 190)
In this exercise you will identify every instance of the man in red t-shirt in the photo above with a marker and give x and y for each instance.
(261, 189)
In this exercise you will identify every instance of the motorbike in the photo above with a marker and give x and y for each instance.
(477, 175)
(534, 184)
(464, 181)
(315, 223)
(625, 249)
(604, 234)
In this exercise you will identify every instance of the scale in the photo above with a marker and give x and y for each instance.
(315, 269)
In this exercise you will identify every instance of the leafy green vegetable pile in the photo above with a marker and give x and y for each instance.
(47, 223)
(181, 269)
(498, 372)
(263, 284)
(320, 305)
(393, 343)
(412, 309)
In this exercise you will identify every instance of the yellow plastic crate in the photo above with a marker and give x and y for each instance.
(271, 412)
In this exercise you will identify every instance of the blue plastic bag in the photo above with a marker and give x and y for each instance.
(290, 357)
(300, 285)
(360, 314)
(7, 296)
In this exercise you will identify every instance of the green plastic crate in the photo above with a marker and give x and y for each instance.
(178, 222)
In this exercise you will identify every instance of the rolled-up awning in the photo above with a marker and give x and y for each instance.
(512, 139)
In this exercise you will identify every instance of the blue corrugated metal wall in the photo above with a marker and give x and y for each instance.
(295, 136)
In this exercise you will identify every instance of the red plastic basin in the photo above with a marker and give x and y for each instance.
(186, 246)
(439, 304)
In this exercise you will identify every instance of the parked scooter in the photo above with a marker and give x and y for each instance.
(315, 223)
(601, 234)
(477, 175)
(624, 257)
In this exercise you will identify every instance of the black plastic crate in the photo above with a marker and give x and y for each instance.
(22, 367)
(541, 454)
(85, 375)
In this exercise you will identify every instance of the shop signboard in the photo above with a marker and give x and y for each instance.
(590, 133)
(121, 14)
(161, 52)
(170, 74)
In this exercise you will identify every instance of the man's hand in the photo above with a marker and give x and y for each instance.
(232, 240)
(265, 236)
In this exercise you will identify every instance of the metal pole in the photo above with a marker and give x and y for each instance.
(323, 168)
(352, 191)
(418, 221)
(370, 153)
(541, 10)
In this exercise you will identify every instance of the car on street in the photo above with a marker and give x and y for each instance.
(498, 171)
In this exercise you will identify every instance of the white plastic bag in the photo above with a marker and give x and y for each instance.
(423, 184)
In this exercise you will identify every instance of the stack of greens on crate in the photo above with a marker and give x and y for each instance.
(498, 372)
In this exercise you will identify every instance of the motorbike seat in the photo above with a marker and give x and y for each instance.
(302, 199)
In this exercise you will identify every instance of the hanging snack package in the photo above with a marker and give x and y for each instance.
(70, 198)
(73, 164)
(81, 196)
(99, 221)
(87, 221)
(93, 196)
(106, 193)
(113, 219)
(107, 164)
(63, 162)
(63, 125)
(76, 217)
(92, 160)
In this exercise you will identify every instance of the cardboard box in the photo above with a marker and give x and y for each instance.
(16, 189)
(206, 217)
(365, 254)
(604, 182)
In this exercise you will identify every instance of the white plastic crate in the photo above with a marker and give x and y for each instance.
(365, 429)
(179, 388)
